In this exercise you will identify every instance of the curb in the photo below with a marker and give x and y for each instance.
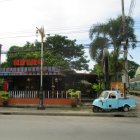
(116, 114)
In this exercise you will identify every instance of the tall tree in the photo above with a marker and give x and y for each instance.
(132, 67)
(71, 53)
(58, 51)
(108, 35)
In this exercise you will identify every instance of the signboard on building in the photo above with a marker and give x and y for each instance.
(27, 62)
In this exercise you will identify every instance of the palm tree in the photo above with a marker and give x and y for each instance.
(108, 35)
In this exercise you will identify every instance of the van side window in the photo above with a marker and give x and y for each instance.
(112, 96)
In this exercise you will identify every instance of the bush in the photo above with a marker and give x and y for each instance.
(5, 96)
(74, 94)
(97, 88)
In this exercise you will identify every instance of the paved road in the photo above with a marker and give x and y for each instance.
(137, 109)
(137, 100)
(14, 127)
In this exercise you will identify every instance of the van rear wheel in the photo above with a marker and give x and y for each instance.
(126, 108)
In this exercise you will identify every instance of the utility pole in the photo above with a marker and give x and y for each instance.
(106, 70)
(42, 34)
(124, 43)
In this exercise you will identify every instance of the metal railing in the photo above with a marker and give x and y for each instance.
(35, 94)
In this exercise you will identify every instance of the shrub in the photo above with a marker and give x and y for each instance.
(5, 96)
(74, 94)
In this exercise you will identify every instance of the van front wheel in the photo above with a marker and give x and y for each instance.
(95, 109)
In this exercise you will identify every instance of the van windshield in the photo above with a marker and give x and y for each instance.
(104, 94)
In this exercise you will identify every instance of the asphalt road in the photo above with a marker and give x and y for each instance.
(22, 127)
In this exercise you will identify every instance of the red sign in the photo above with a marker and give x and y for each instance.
(27, 62)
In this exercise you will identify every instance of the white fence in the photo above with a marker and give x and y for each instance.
(35, 94)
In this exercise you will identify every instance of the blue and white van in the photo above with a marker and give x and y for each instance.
(110, 100)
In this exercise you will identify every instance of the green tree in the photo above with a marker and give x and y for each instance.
(72, 55)
(28, 51)
(108, 35)
(58, 51)
(98, 69)
(132, 67)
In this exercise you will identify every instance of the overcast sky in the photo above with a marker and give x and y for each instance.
(72, 18)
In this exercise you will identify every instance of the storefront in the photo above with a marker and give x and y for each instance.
(28, 78)
(24, 83)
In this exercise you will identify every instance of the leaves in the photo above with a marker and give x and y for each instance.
(4, 95)
(58, 51)
(97, 87)
(74, 94)
(108, 35)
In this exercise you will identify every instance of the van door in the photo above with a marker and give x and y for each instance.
(112, 101)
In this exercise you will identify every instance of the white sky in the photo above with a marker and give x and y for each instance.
(71, 18)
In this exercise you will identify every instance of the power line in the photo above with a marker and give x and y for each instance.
(86, 46)
(52, 29)
(66, 32)
(56, 30)
(21, 36)
(4, 0)
(59, 28)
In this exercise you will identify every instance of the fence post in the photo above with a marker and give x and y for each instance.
(57, 94)
(48, 94)
(66, 95)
